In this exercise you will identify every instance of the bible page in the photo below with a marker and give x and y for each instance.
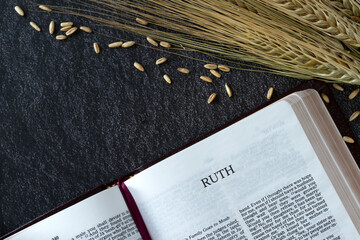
(256, 179)
(103, 216)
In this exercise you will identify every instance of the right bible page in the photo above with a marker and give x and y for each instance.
(256, 179)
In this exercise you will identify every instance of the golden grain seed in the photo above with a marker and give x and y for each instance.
(115, 44)
(325, 97)
(184, 70)
(161, 60)
(96, 47)
(61, 37)
(354, 93)
(215, 73)
(338, 87)
(206, 79)
(71, 31)
(35, 26)
(86, 29)
(66, 24)
(45, 8)
(19, 11)
(65, 29)
(354, 115)
(270, 93)
(228, 90)
(211, 98)
(224, 68)
(152, 41)
(138, 66)
(52, 27)
(210, 66)
(141, 21)
(167, 79)
(348, 139)
(128, 44)
(165, 44)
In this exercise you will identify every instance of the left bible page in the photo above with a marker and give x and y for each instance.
(102, 216)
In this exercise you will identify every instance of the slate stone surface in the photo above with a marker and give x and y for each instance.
(72, 120)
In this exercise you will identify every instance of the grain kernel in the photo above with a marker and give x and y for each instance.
(211, 98)
(19, 11)
(206, 79)
(325, 97)
(45, 8)
(71, 31)
(167, 79)
(354, 116)
(215, 73)
(270, 93)
(115, 44)
(60, 37)
(86, 29)
(228, 90)
(138, 66)
(52, 27)
(128, 44)
(66, 24)
(152, 41)
(354, 93)
(165, 44)
(210, 66)
(338, 87)
(224, 68)
(96, 47)
(141, 21)
(35, 26)
(65, 29)
(161, 60)
(184, 70)
(348, 139)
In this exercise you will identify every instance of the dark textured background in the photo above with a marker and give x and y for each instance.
(72, 120)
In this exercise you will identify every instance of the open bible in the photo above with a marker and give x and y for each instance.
(282, 172)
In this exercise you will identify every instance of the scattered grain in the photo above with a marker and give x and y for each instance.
(115, 44)
(35, 26)
(354, 115)
(65, 29)
(325, 97)
(184, 70)
(66, 24)
(270, 93)
(206, 79)
(210, 66)
(228, 90)
(138, 66)
(128, 44)
(96, 47)
(165, 44)
(86, 29)
(52, 27)
(61, 37)
(354, 93)
(141, 21)
(215, 73)
(45, 8)
(161, 60)
(211, 98)
(71, 31)
(348, 139)
(19, 11)
(224, 68)
(167, 79)
(152, 41)
(338, 87)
